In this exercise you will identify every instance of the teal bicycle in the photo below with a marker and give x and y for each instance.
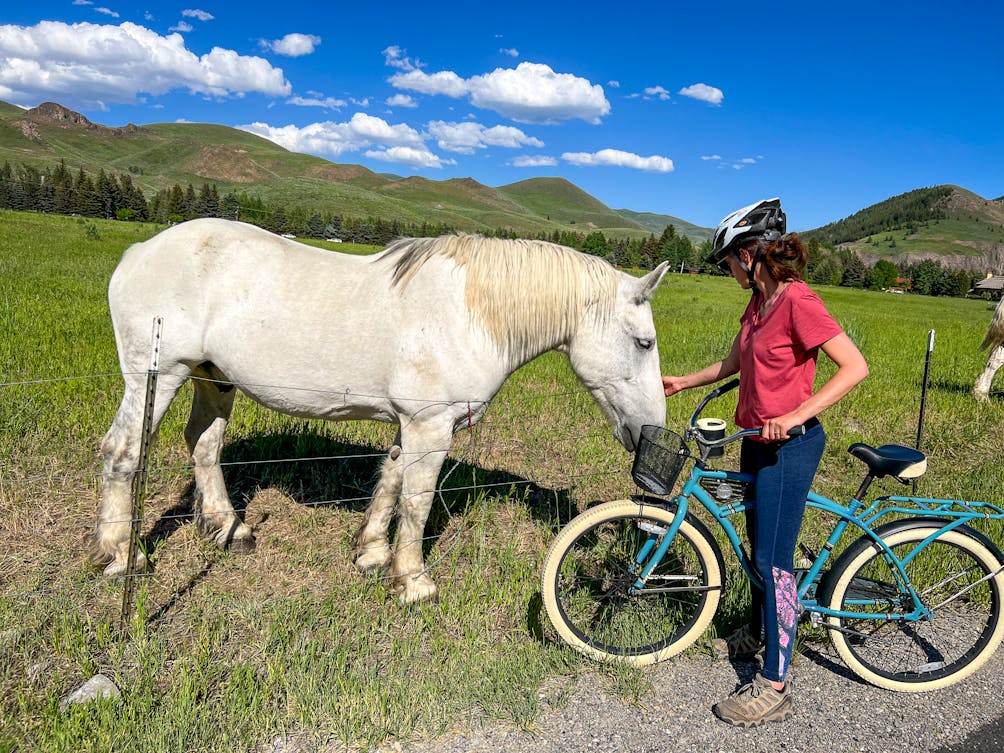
(913, 603)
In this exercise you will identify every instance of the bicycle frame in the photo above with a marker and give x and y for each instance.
(947, 514)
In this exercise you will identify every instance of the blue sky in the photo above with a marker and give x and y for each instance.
(687, 109)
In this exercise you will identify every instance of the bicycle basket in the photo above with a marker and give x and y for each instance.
(658, 459)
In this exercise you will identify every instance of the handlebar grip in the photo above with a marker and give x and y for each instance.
(727, 387)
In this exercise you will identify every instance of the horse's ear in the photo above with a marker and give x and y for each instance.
(648, 283)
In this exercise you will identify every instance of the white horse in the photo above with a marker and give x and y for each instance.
(993, 339)
(423, 334)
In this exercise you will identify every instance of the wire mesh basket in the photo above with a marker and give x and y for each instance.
(658, 459)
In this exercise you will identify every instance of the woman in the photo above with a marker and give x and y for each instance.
(784, 327)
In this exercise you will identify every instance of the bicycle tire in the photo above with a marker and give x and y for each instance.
(921, 655)
(585, 581)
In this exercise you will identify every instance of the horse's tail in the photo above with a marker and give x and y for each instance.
(995, 332)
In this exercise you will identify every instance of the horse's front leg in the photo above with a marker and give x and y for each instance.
(981, 391)
(372, 547)
(423, 453)
(120, 449)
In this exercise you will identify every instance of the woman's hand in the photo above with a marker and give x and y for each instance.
(776, 429)
(673, 384)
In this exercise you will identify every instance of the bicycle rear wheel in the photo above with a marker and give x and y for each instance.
(589, 574)
(954, 577)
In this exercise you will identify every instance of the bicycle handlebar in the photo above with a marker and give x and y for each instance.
(696, 433)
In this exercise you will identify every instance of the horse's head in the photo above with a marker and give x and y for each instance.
(617, 358)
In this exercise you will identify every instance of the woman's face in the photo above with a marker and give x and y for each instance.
(738, 273)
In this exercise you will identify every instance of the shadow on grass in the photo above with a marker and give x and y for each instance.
(315, 470)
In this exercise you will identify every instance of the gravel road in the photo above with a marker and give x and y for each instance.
(834, 713)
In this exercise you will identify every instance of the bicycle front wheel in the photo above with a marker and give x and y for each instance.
(589, 579)
(955, 577)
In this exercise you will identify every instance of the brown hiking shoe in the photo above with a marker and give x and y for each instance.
(741, 645)
(755, 703)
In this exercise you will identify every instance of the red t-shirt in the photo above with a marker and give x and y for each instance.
(777, 354)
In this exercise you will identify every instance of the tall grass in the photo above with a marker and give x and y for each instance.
(229, 652)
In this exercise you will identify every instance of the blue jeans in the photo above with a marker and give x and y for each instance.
(784, 473)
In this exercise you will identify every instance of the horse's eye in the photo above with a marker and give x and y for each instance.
(644, 344)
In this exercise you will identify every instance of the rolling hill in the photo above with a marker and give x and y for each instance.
(160, 155)
(946, 223)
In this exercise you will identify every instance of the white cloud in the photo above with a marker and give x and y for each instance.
(411, 156)
(82, 2)
(510, 51)
(529, 93)
(614, 84)
(535, 161)
(395, 57)
(703, 92)
(447, 83)
(183, 26)
(317, 101)
(617, 158)
(657, 91)
(292, 45)
(466, 137)
(401, 100)
(199, 14)
(533, 93)
(362, 131)
(107, 12)
(711, 157)
(87, 65)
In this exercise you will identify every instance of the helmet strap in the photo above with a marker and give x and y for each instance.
(750, 269)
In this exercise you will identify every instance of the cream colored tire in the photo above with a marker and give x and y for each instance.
(924, 655)
(585, 580)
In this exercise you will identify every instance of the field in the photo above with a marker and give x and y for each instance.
(230, 652)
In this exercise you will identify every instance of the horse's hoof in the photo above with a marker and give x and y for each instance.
(117, 568)
(373, 558)
(416, 590)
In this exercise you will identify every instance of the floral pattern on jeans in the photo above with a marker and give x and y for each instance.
(786, 595)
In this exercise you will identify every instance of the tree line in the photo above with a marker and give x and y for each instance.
(59, 190)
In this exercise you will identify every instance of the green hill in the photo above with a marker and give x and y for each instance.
(947, 223)
(656, 223)
(161, 155)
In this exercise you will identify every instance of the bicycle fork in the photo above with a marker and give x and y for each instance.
(660, 538)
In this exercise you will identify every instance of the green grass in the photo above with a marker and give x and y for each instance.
(229, 652)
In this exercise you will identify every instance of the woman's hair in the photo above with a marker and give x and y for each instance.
(785, 258)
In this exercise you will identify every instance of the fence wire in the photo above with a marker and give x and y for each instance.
(512, 452)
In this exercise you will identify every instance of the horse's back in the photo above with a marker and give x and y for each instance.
(220, 284)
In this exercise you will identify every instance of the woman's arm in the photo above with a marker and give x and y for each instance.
(713, 373)
(851, 369)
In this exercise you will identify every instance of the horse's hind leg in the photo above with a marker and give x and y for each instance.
(372, 546)
(981, 391)
(121, 449)
(211, 408)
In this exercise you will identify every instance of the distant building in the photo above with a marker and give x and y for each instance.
(993, 284)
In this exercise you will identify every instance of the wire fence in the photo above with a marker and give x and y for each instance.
(547, 448)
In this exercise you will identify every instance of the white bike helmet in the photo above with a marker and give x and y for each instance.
(763, 220)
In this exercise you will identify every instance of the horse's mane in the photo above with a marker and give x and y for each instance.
(995, 332)
(527, 294)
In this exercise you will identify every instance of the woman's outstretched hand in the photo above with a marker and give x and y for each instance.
(672, 384)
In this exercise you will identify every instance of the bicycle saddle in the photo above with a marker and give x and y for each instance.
(902, 463)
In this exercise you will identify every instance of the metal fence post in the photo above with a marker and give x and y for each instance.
(923, 395)
(139, 477)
